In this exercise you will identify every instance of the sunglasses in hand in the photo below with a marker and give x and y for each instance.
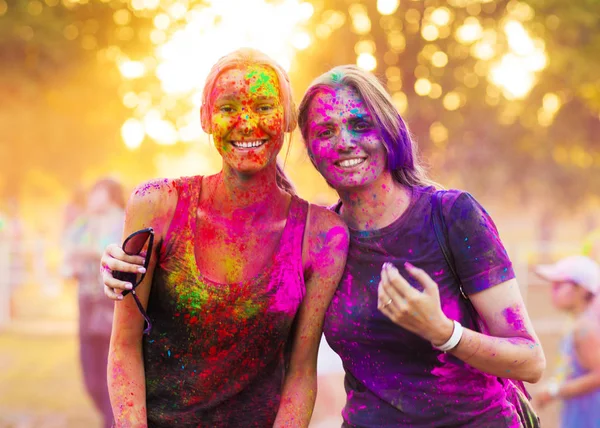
(133, 246)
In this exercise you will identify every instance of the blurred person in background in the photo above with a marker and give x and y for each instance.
(575, 286)
(397, 328)
(16, 255)
(239, 279)
(73, 212)
(591, 245)
(86, 238)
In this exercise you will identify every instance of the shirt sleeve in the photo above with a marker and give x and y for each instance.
(479, 255)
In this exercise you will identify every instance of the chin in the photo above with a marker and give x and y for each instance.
(247, 166)
(351, 183)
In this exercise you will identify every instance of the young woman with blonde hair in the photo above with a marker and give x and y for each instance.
(397, 317)
(238, 261)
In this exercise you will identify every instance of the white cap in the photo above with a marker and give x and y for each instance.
(579, 269)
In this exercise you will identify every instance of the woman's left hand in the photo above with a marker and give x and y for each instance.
(416, 311)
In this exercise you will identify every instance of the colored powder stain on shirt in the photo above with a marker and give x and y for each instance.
(217, 351)
(394, 377)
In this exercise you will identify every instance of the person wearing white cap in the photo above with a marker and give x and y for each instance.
(575, 285)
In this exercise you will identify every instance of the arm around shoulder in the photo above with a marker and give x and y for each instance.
(324, 252)
(151, 205)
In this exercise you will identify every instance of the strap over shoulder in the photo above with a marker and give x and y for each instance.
(441, 234)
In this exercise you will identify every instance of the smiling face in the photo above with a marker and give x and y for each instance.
(343, 139)
(247, 117)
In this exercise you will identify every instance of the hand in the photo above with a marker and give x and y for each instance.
(542, 399)
(416, 311)
(113, 259)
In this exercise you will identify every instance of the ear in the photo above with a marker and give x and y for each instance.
(205, 119)
(292, 123)
(292, 118)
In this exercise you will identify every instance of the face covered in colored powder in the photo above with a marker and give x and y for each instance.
(247, 117)
(343, 140)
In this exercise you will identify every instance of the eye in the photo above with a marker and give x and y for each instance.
(265, 108)
(362, 126)
(325, 133)
(226, 109)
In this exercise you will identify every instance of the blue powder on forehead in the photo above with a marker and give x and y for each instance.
(356, 112)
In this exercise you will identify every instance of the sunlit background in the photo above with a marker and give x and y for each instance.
(503, 98)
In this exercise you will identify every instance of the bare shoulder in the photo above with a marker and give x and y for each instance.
(327, 242)
(151, 204)
(326, 228)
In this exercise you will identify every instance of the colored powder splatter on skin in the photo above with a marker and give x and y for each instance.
(342, 128)
(513, 318)
(261, 79)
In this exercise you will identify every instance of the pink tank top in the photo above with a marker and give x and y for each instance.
(216, 354)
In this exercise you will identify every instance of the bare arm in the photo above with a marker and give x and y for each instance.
(511, 351)
(148, 206)
(327, 246)
(587, 352)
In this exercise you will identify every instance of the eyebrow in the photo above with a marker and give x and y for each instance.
(226, 97)
(360, 117)
(235, 97)
(353, 119)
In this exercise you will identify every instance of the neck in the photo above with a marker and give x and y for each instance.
(579, 308)
(233, 191)
(376, 205)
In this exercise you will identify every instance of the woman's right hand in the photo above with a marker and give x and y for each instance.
(114, 259)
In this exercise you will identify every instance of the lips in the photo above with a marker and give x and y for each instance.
(349, 162)
(252, 144)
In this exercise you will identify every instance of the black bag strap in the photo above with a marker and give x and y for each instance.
(526, 413)
(441, 233)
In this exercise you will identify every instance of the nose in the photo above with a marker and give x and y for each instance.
(248, 121)
(345, 141)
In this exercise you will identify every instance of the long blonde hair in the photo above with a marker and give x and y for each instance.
(244, 57)
(402, 159)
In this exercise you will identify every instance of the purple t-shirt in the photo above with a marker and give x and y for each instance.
(395, 378)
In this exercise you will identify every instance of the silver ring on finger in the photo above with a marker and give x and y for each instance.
(389, 302)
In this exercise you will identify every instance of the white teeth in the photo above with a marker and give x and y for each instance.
(350, 162)
(247, 144)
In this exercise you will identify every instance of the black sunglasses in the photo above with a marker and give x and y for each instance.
(132, 246)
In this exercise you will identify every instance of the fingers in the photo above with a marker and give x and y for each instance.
(389, 299)
(429, 285)
(111, 294)
(110, 281)
(114, 259)
(113, 251)
(393, 282)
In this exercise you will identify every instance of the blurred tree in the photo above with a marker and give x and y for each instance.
(502, 95)
(525, 130)
(61, 111)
